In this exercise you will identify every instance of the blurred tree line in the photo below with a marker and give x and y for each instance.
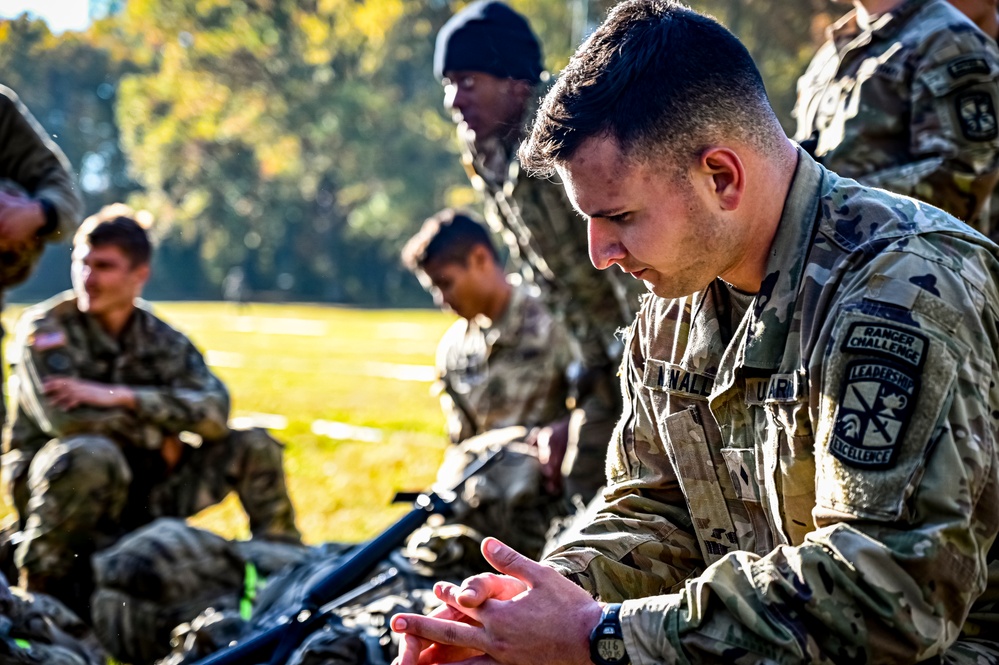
(298, 141)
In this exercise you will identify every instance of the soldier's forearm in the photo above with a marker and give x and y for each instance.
(204, 412)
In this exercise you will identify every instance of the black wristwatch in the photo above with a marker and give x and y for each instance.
(607, 640)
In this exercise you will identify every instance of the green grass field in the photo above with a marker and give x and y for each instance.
(364, 369)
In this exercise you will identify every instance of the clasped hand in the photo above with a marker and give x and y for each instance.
(528, 615)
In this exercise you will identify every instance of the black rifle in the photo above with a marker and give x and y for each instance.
(276, 644)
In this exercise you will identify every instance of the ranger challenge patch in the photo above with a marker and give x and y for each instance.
(878, 394)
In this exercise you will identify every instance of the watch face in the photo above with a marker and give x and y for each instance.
(610, 649)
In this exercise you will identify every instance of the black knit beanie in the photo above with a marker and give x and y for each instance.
(487, 36)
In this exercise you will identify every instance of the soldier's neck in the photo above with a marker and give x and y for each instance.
(501, 302)
(114, 322)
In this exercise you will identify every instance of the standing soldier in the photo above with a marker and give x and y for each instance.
(38, 200)
(490, 63)
(119, 420)
(903, 96)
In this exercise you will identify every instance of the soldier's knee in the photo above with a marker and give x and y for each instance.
(88, 462)
(257, 446)
(78, 486)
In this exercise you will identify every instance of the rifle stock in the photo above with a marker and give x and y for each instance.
(276, 644)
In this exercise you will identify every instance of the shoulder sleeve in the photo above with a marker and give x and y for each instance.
(953, 127)
(31, 159)
(190, 399)
(43, 347)
(906, 485)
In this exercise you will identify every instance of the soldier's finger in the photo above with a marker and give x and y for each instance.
(440, 631)
(507, 560)
(409, 650)
(477, 590)
(452, 610)
(458, 605)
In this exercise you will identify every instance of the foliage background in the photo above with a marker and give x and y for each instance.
(300, 140)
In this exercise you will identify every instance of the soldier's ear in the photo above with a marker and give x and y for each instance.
(479, 257)
(724, 174)
(141, 273)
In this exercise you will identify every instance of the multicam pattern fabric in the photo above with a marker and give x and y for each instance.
(32, 163)
(508, 372)
(820, 484)
(166, 573)
(81, 478)
(909, 104)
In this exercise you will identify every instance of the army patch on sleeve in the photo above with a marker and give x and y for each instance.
(875, 405)
(43, 341)
(58, 361)
(887, 340)
(977, 116)
(967, 66)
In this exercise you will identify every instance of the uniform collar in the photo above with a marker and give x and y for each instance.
(767, 324)
(132, 335)
(758, 340)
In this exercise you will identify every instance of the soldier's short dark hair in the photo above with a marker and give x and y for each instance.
(447, 237)
(117, 225)
(662, 80)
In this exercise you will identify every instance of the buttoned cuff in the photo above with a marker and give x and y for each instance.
(647, 624)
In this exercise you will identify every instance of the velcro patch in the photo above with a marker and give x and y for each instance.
(43, 341)
(887, 340)
(58, 361)
(671, 378)
(968, 66)
(756, 390)
(787, 387)
(874, 409)
(977, 116)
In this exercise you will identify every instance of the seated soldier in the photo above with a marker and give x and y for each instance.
(504, 361)
(119, 421)
(502, 367)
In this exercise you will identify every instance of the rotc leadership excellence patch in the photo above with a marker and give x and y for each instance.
(875, 405)
(878, 394)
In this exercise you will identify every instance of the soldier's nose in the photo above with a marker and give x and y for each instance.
(605, 249)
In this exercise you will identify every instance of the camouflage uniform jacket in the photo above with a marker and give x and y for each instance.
(175, 391)
(542, 232)
(909, 105)
(512, 372)
(30, 160)
(815, 480)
